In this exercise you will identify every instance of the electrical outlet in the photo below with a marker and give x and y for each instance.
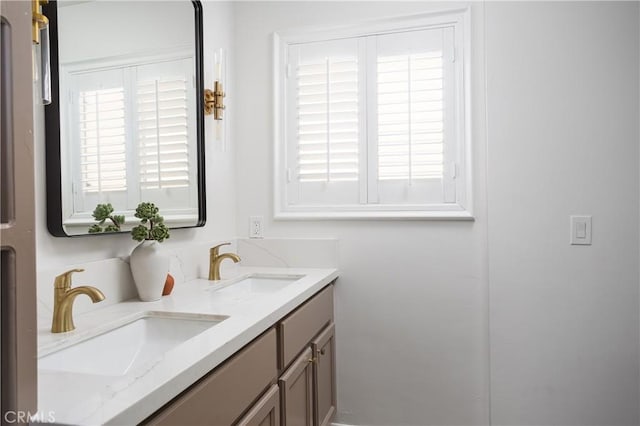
(256, 226)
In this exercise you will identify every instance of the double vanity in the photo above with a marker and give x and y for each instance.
(256, 349)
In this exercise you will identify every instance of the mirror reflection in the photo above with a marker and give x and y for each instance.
(128, 110)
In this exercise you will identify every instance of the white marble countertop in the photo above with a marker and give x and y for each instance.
(81, 399)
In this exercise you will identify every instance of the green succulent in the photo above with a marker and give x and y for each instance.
(146, 211)
(139, 233)
(101, 214)
(148, 215)
(159, 232)
(95, 228)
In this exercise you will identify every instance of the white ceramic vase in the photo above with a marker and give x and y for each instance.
(149, 266)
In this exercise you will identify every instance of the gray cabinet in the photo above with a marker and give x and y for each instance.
(285, 377)
(307, 387)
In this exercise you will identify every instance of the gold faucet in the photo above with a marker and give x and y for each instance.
(215, 259)
(64, 296)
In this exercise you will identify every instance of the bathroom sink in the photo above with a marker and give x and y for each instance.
(255, 284)
(129, 346)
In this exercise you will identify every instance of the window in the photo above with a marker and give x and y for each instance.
(371, 120)
(131, 132)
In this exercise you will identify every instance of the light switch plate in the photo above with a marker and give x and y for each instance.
(580, 230)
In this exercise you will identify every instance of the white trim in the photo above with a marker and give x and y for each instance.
(377, 211)
(377, 215)
(279, 71)
(376, 27)
(467, 171)
(130, 59)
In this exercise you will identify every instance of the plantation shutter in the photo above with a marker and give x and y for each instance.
(163, 129)
(324, 85)
(327, 97)
(386, 145)
(162, 134)
(411, 113)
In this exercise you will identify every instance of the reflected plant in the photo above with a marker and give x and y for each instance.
(102, 214)
(151, 226)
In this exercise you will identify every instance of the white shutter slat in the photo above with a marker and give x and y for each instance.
(162, 133)
(327, 120)
(410, 115)
(102, 140)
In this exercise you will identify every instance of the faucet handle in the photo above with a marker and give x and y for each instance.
(214, 250)
(63, 280)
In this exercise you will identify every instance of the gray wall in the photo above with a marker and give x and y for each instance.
(562, 90)
(413, 298)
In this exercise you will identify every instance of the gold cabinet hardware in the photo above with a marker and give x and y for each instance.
(311, 360)
(38, 20)
(215, 258)
(321, 351)
(214, 101)
(64, 297)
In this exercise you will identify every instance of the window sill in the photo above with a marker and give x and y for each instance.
(448, 215)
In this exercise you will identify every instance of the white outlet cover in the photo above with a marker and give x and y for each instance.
(256, 227)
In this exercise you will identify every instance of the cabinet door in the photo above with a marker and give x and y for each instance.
(296, 392)
(324, 376)
(266, 412)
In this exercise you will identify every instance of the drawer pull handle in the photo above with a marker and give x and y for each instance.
(321, 351)
(312, 360)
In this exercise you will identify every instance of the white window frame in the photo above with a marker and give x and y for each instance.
(461, 208)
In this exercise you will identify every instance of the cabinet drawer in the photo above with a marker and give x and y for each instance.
(297, 330)
(221, 397)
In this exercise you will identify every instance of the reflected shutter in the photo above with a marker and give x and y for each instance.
(162, 129)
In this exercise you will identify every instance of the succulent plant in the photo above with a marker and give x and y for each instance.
(151, 226)
(102, 213)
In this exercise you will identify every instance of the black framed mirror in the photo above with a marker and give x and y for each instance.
(126, 121)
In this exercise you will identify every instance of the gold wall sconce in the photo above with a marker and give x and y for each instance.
(38, 20)
(214, 101)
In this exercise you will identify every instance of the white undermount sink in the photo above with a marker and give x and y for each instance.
(121, 349)
(257, 284)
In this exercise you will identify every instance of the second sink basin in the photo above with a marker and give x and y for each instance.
(257, 284)
(122, 349)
